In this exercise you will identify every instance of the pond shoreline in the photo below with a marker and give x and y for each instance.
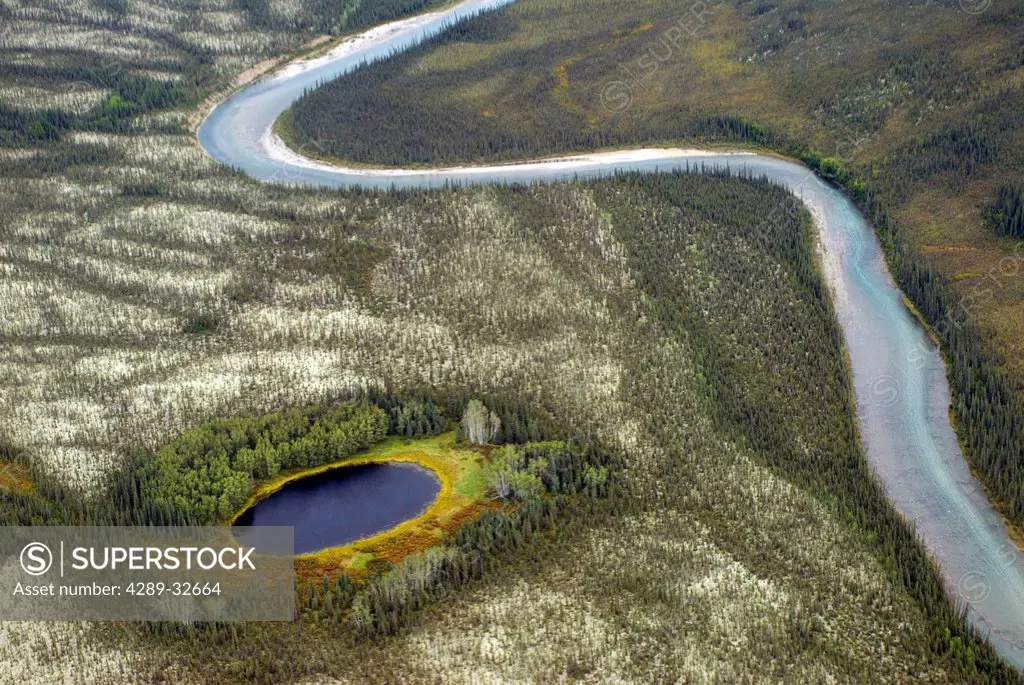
(460, 499)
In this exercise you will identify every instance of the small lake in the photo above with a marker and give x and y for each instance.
(346, 504)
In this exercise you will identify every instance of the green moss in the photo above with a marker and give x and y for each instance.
(472, 484)
(360, 560)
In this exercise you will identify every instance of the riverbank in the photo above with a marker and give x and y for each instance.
(256, 71)
(316, 51)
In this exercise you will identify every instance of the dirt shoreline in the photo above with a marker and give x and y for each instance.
(256, 71)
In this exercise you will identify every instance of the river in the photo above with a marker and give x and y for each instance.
(899, 376)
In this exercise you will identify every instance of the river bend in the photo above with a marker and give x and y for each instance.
(898, 374)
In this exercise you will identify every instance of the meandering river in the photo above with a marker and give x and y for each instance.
(898, 374)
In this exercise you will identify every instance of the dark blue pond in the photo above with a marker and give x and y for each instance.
(346, 504)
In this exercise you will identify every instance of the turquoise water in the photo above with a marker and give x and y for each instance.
(899, 377)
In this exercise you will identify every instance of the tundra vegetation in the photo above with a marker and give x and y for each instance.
(916, 108)
(720, 521)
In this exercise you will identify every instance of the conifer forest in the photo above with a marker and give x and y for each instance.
(635, 393)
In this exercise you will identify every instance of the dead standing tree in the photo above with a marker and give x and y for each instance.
(478, 424)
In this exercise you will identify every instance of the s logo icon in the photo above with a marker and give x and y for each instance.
(36, 559)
